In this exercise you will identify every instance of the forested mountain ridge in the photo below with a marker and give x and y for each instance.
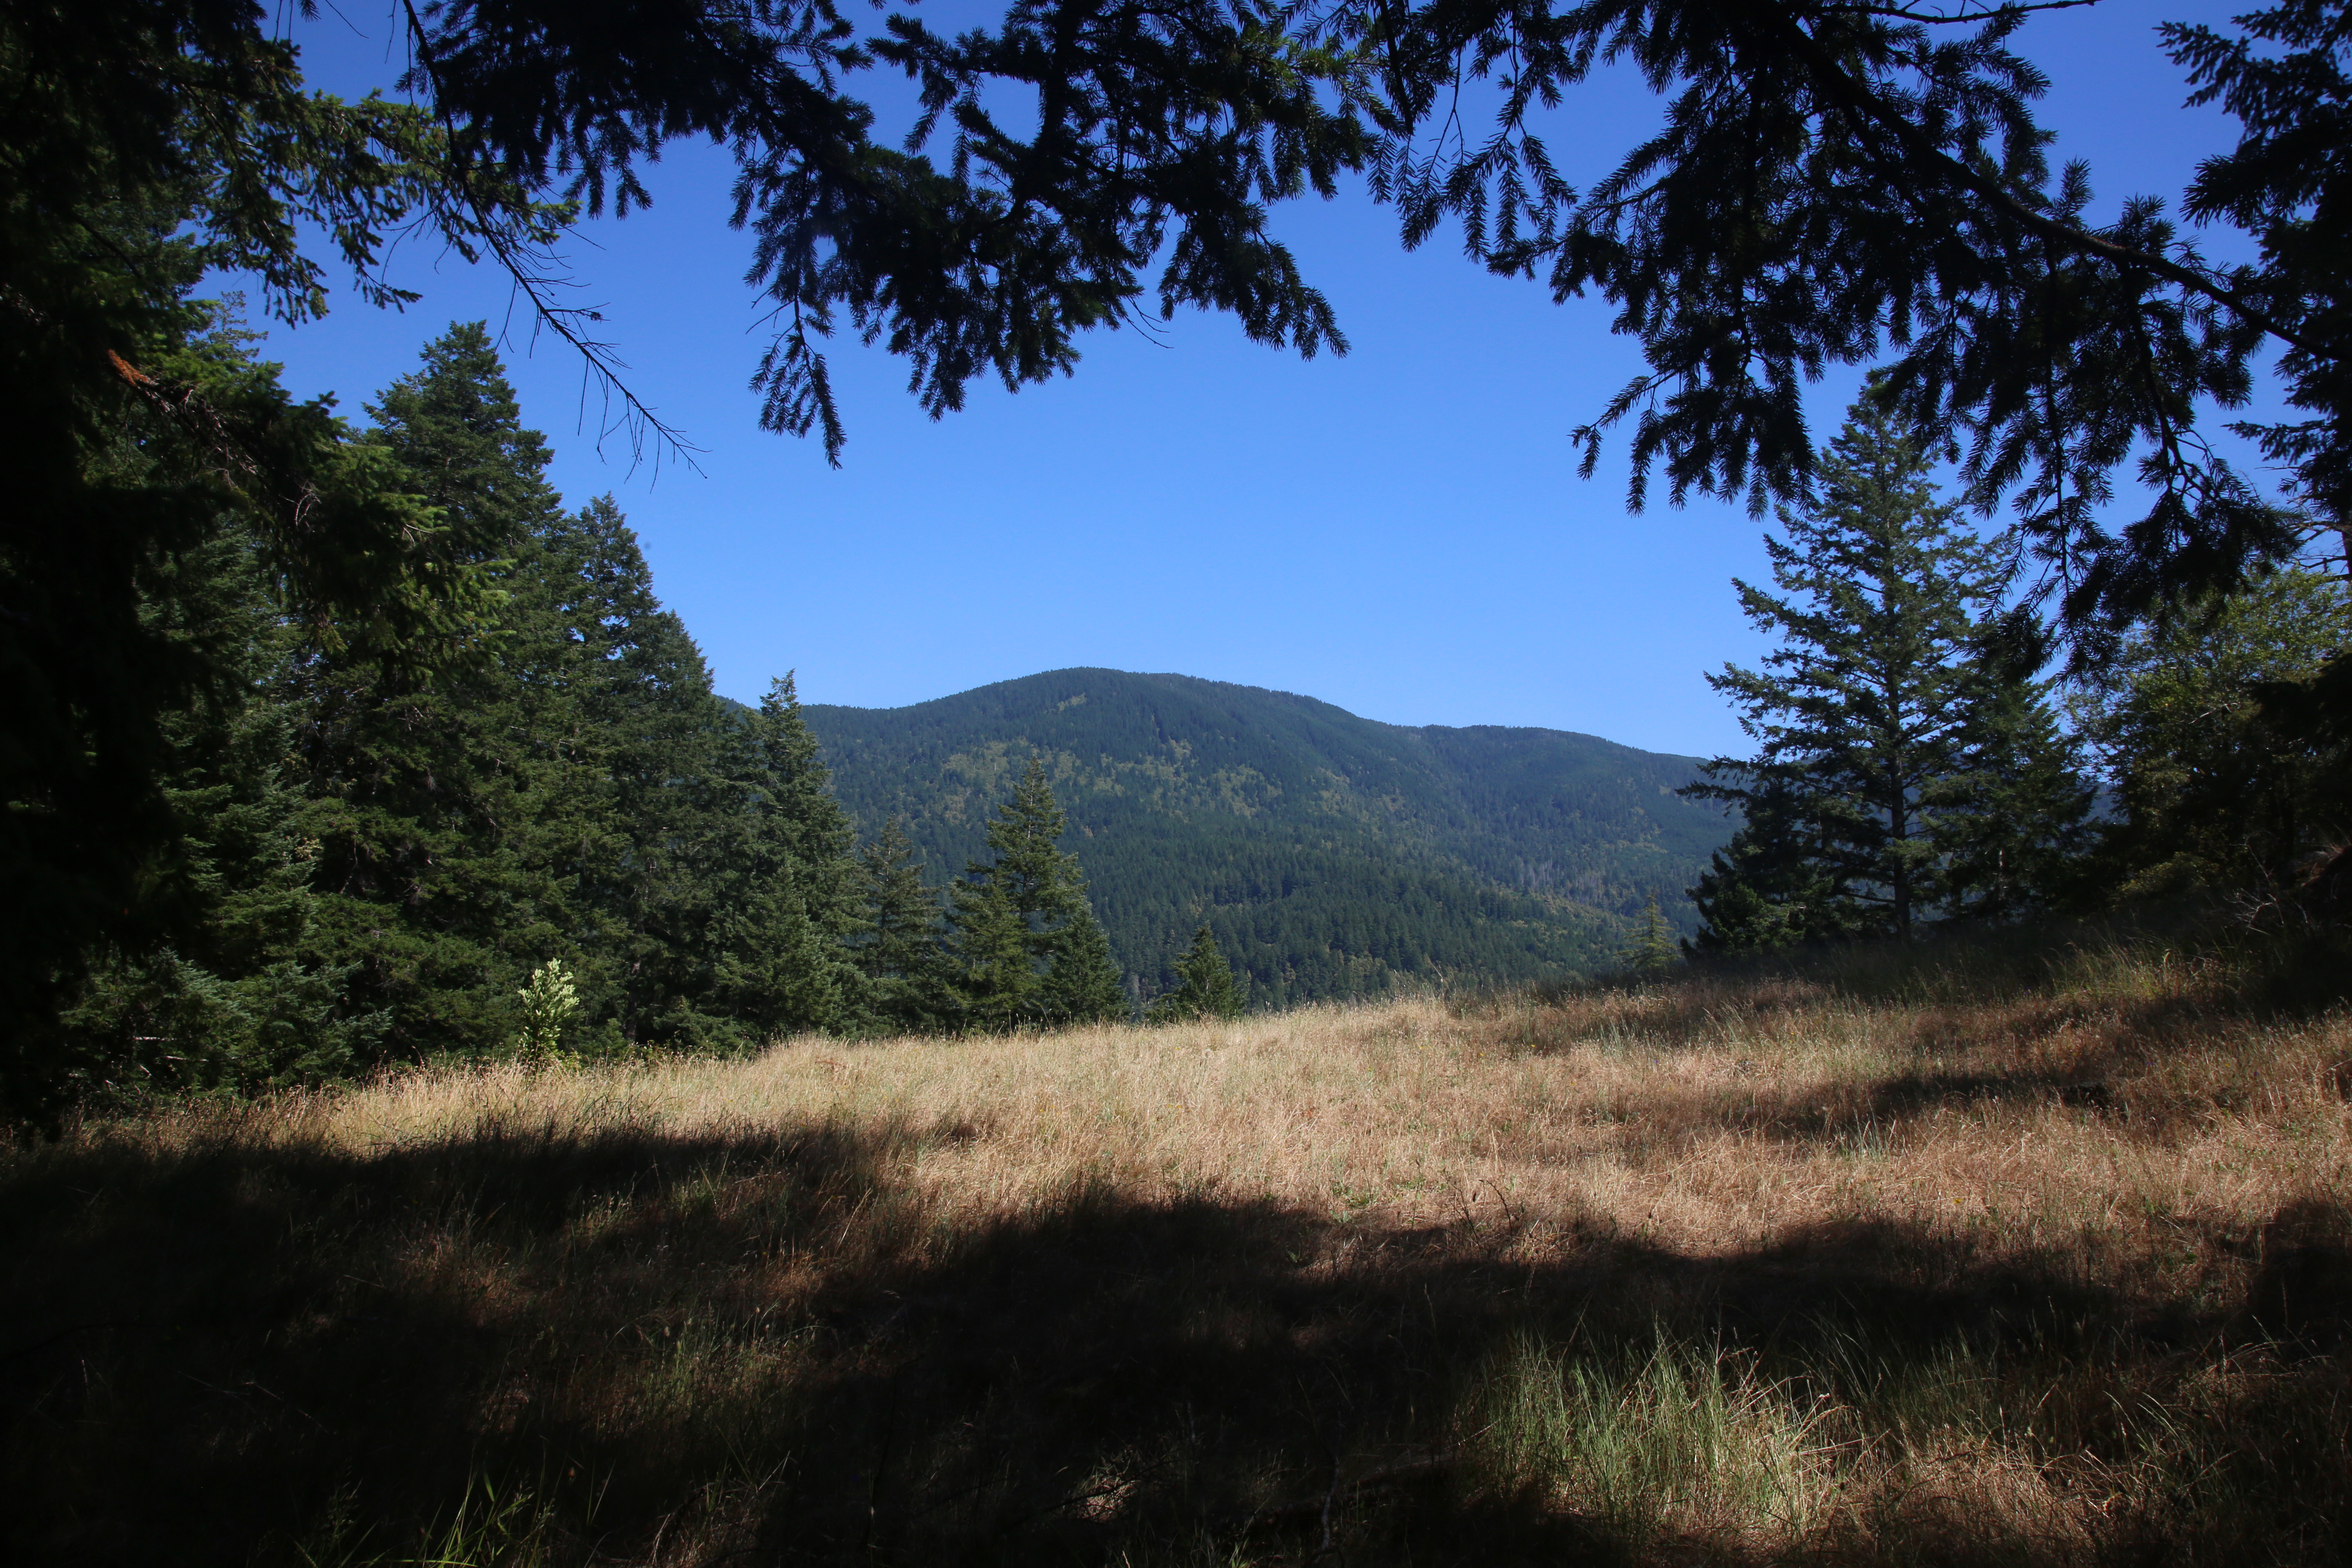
(1333, 855)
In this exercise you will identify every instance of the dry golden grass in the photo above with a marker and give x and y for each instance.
(1950, 1268)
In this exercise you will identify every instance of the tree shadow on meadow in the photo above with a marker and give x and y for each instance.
(630, 1345)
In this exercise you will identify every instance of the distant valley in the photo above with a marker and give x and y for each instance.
(1335, 856)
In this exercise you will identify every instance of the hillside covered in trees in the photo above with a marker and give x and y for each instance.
(1332, 856)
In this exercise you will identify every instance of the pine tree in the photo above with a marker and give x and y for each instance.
(228, 1004)
(896, 940)
(1082, 982)
(1763, 891)
(372, 854)
(1017, 946)
(580, 796)
(2215, 783)
(424, 790)
(648, 738)
(991, 969)
(1652, 953)
(1205, 989)
(1905, 759)
(780, 882)
(2014, 823)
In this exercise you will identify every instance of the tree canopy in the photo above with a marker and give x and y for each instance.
(1832, 183)
(1853, 183)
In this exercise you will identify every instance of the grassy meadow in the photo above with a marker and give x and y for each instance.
(2038, 1254)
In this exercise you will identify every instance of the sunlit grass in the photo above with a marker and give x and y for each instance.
(1972, 1258)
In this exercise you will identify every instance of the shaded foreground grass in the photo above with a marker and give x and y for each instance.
(1948, 1267)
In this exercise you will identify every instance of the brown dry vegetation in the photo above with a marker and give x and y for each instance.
(1922, 1260)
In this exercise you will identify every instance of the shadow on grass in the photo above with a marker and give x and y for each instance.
(687, 1350)
(1862, 1115)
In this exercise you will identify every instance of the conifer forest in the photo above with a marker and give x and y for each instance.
(474, 1095)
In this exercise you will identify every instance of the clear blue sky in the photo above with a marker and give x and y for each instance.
(1400, 532)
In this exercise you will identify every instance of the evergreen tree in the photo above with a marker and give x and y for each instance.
(991, 969)
(146, 145)
(2014, 823)
(1205, 986)
(581, 794)
(1906, 769)
(801, 811)
(226, 1002)
(1653, 952)
(2213, 785)
(1082, 982)
(662, 818)
(785, 885)
(232, 1004)
(896, 940)
(1763, 889)
(425, 788)
(370, 854)
(1017, 946)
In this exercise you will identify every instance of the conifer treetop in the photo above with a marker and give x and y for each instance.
(1207, 988)
(1893, 720)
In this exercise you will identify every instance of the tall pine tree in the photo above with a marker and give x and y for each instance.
(650, 745)
(225, 1001)
(424, 789)
(369, 854)
(1908, 767)
(1023, 949)
(580, 793)
(896, 939)
(785, 883)
(2015, 823)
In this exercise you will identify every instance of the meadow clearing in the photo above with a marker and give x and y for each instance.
(2039, 1255)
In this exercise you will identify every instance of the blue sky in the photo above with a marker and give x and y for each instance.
(1400, 532)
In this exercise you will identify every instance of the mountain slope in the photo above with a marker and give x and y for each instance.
(1334, 855)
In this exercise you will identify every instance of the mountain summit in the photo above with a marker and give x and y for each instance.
(1332, 856)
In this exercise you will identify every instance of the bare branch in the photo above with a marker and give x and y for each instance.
(1965, 15)
(534, 282)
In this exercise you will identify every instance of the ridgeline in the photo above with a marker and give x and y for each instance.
(1333, 856)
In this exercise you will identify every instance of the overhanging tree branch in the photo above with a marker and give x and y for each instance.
(1858, 98)
(495, 234)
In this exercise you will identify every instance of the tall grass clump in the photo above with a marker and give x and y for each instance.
(1676, 1439)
